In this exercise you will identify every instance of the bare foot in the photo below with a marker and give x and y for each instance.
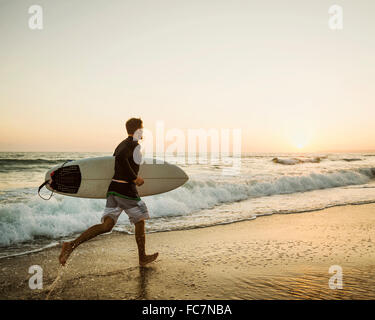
(148, 258)
(66, 250)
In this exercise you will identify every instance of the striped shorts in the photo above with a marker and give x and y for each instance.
(135, 209)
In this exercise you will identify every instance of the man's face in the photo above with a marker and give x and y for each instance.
(138, 134)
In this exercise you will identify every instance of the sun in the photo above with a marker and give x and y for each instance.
(299, 133)
(299, 140)
(300, 146)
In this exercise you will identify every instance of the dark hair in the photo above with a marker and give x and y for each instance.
(133, 124)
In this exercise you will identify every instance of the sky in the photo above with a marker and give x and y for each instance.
(273, 69)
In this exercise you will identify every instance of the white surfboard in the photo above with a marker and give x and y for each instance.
(90, 178)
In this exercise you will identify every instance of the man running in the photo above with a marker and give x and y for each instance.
(122, 195)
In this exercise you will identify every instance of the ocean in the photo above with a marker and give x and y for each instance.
(266, 184)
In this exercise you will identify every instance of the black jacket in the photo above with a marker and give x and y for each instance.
(126, 169)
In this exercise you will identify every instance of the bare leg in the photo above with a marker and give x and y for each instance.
(68, 247)
(141, 242)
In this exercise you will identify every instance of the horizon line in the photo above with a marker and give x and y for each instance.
(320, 151)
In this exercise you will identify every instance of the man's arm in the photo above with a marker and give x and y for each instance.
(137, 157)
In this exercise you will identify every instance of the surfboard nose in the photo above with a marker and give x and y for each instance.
(182, 174)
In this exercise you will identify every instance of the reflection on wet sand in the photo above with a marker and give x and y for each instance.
(143, 279)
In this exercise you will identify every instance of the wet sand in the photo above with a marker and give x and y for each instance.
(285, 256)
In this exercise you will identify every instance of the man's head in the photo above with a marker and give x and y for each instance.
(133, 124)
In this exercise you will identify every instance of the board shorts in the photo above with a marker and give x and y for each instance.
(136, 209)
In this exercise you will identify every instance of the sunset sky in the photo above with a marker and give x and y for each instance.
(274, 69)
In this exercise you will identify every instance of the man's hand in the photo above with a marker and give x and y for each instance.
(139, 181)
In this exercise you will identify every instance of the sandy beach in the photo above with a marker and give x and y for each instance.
(284, 256)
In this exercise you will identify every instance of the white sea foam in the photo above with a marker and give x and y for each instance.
(196, 195)
(58, 217)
